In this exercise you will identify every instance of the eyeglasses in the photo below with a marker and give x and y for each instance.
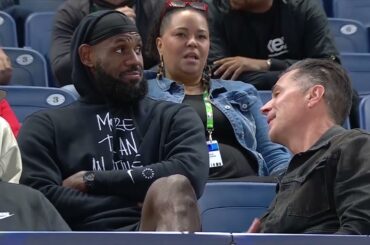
(174, 4)
(182, 4)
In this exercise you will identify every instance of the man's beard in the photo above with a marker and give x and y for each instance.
(120, 92)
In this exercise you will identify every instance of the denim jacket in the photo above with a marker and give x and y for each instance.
(240, 103)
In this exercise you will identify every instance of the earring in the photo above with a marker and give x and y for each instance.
(160, 72)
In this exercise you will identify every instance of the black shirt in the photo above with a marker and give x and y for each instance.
(236, 160)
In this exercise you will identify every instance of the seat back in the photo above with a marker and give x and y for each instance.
(25, 100)
(232, 206)
(352, 9)
(8, 31)
(364, 112)
(349, 35)
(38, 28)
(358, 68)
(29, 67)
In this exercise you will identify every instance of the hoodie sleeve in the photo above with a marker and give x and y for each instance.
(185, 152)
(43, 171)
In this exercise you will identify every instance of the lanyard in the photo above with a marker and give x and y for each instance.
(209, 114)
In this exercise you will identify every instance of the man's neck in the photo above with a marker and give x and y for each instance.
(306, 137)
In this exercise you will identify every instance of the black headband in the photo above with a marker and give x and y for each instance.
(110, 25)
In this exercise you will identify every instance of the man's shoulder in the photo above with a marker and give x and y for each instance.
(299, 5)
(349, 137)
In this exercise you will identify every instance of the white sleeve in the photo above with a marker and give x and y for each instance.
(10, 157)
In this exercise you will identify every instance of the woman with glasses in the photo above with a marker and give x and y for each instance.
(237, 132)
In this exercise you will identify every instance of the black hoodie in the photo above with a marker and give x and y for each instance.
(132, 147)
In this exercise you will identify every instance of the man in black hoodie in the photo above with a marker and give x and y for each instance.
(101, 160)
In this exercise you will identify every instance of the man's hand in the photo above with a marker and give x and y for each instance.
(255, 226)
(5, 68)
(234, 66)
(129, 12)
(76, 182)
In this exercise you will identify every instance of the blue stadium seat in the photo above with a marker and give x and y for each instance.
(349, 35)
(352, 9)
(38, 28)
(8, 31)
(114, 238)
(300, 239)
(358, 67)
(41, 5)
(29, 67)
(365, 113)
(25, 100)
(232, 206)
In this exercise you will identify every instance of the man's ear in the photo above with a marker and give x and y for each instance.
(316, 94)
(86, 55)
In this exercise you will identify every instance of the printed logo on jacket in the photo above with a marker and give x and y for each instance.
(277, 47)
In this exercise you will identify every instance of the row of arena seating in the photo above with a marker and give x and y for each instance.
(350, 35)
(32, 66)
(349, 9)
(174, 238)
(27, 99)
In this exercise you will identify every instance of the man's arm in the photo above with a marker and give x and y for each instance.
(5, 68)
(318, 41)
(65, 22)
(219, 47)
(43, 171)
(352, 187)
(185, 152)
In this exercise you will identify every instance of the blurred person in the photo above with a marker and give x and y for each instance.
(5, 68)
(5, 110)
(10, 157)
(22, 208)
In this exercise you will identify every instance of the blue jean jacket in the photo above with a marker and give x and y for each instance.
(240, 103)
